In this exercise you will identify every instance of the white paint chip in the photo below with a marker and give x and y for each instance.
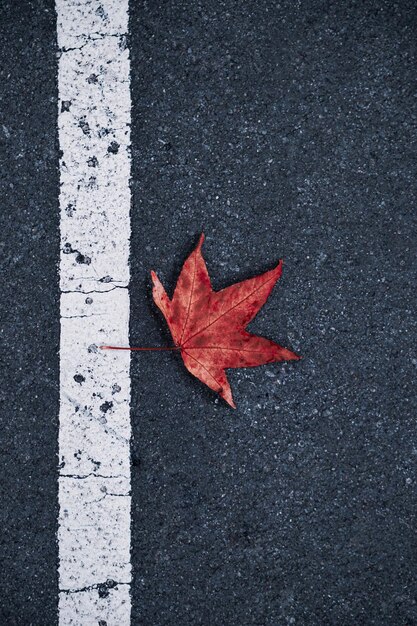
(94, 434)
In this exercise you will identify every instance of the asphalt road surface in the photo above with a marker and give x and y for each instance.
(283, 130)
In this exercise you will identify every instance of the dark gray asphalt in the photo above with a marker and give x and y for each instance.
(29, 313)
(282, 130)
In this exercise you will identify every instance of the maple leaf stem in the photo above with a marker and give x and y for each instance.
(135, 349)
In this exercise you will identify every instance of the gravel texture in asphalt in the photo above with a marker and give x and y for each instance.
(283, 131)
(29, 313)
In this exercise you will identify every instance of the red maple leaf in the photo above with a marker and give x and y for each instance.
(208, 327)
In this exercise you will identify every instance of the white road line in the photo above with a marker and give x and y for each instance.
(94, 434)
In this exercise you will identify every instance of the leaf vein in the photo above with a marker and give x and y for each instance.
(191, 298)
(228, 310)
(204, 368)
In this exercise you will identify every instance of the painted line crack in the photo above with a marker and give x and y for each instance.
(102, 588)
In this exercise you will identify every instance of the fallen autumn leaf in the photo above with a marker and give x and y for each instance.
(208, 327)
